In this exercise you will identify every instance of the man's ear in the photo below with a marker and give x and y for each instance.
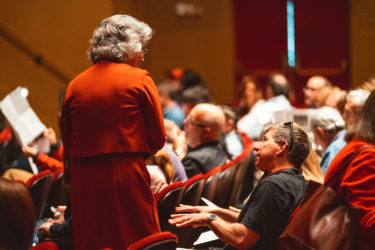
(283, 146)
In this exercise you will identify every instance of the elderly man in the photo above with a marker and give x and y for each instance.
(353, 106)
(311, 91)
(328, 129)
(262, 112)
(203, 127)
(263, 218)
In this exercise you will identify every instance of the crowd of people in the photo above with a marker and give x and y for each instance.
(125, 138)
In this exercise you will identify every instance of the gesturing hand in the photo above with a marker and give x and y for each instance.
(194, 220)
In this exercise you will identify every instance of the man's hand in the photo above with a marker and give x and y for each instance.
(44, 228)
(194, 220)
(194, 209)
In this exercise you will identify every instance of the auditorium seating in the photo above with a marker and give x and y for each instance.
(39, 186)
(167, 199)
(158, 241)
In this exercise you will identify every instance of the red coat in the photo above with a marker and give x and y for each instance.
(111, 119)
(358, 185)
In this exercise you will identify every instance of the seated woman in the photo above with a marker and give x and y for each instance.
(161, 171)
(17, 216)
(52, 161)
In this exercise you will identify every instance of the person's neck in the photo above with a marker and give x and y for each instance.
(282, 166)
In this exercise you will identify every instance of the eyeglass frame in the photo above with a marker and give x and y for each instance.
(190, 121)
(291, 129)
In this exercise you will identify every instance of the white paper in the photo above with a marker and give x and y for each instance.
(208, 202)
(25, 123)
(206, 237)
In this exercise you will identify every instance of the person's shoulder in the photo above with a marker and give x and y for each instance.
(287, 177)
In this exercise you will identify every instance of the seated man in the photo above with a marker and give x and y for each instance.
(203, 127)
(329, 132)
(264, 216)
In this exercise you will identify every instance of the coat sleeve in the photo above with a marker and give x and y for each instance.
(358, 185)
(153, 115)
(46, 162)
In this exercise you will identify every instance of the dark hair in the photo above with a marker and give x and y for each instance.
(365, 128)
(278, 88)
(18, 215)
(195, 95)
(190, 78)
(300, 146)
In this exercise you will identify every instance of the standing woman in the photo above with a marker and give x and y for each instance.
(111, 122)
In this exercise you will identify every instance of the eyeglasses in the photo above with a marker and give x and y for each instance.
(290, 124)
(190, 121)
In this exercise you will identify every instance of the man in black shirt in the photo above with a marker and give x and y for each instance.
(258, 225)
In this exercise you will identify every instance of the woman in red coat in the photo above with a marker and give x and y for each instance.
(357, 183)
(111, 122)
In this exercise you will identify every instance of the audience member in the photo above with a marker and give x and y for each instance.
(336, 99)
(18, 216)
(353, 106)
(323, 96)
(329, 132)
(264, 216)
(311, 91)
(161, 171)
(203, 127)
(193, 96)
(250, 93)
(232, 139)
(262, 112)
(171, 109)
(111, 121)
(172, 131)
(59, 227)
(357, 182)
(51, 161)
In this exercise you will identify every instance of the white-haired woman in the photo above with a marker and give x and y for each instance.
(111, 122)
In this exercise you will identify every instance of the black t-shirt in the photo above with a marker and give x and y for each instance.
(270, 205)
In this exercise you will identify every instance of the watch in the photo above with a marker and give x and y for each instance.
(211, 217)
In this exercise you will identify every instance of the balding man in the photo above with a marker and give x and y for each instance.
(203, 127)
(311, 91)
(262, 112)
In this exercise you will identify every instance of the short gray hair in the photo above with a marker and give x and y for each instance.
(300, 146)
(329, 119)
(358, 97)
(118, 38)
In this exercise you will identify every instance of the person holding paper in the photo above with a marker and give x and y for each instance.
(111, 121)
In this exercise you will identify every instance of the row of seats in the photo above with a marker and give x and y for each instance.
(222, 185)
(47, 189)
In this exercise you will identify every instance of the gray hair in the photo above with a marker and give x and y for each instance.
(118, 38)
(300, 146)
(358, 97)
(329, 119)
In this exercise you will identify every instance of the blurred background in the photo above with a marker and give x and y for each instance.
(43, 43)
